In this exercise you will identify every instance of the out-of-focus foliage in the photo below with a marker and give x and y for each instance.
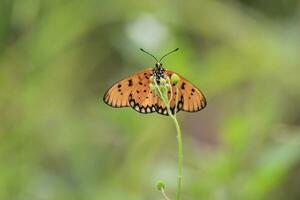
(58, 140)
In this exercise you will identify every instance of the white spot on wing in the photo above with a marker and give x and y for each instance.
(132, 103)
(202, 104)
(137, 108)
(180, 105)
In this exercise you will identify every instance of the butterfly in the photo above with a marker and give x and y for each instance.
(134, 91)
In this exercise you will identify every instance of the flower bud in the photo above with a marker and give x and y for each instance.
(167, 79)
(175, 78)
(152, 87)
(151, 78)
(162, 81)
(160, 185)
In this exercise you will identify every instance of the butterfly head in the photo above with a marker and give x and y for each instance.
(158, 65)
(158, 70)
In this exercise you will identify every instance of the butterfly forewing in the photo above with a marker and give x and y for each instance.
(130, 90)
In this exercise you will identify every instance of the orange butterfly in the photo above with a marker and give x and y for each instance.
(134, 91)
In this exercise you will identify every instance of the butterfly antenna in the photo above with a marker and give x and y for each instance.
(169, 53)
(148, 54)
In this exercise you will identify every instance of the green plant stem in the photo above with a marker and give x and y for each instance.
(180, 149)
(164, 97)
(164, 194)
(179, 153)
(180, 158)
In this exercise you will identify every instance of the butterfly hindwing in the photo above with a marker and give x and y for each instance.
(143, 100)
(172, 93)
(118, 95)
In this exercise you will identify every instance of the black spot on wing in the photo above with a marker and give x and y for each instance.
(183, 86)
(130, 83)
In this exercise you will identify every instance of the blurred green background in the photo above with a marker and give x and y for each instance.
(59, 141)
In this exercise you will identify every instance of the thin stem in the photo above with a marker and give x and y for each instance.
(171, 95)
(164, 97)
(176, 100)
(164, 194)
(180, 150)
(180, 159)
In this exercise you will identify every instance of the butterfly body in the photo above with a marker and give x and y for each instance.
(134, 91)
(158, 72)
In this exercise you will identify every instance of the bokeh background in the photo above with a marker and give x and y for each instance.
(59, 141)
